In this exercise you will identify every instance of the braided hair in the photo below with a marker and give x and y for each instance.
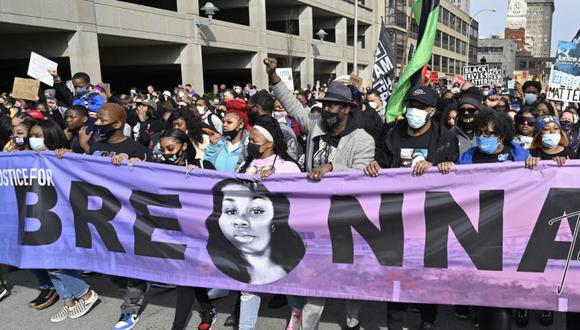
(280, 145)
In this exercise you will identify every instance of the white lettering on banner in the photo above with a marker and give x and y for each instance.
(25, 177)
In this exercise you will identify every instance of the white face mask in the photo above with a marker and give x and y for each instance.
(201, 110)
(373, 105)
(416, 118)
(455, 90)
(36, 143)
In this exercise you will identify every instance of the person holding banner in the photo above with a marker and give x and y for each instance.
(469, 104)
(177, 149)
(334, 143)
(550, 142)
(266, 155)
(21, 124)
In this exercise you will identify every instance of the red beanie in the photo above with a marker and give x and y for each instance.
(38, 115)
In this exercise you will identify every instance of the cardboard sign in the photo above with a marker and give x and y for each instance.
(521, 76)
(38, 68)
(26, 89)
(286, 76)
(458, 79)
(356, 81)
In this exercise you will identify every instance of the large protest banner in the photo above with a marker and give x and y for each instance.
(564, 83)
(483, 235)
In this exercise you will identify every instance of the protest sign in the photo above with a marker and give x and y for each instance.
(477, 74)
(464, 238)
(356, 81)
(434, 77)
(458, 79)
(564, 82)
(38, 68)
(26, 89)
(521, 76)
(286, 76)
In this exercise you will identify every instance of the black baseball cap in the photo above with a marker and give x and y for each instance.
(424, 95)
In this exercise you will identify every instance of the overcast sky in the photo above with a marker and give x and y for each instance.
(566, 21)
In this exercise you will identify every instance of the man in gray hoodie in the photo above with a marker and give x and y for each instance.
(335, 143)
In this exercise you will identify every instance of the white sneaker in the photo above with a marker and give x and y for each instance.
(84, 306)
(62, 315)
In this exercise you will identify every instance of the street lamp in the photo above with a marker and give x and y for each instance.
(321, 34)
(493, 10)
(209, 9)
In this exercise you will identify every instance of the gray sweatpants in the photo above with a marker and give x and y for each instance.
(133, 296)
(312, 311)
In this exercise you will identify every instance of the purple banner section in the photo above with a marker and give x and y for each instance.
(483, 235)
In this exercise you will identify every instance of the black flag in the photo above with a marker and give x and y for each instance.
(385, 64)
(577, 37)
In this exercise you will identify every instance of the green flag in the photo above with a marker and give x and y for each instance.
(426, 14)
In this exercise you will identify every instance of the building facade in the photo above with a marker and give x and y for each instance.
(464, 5)
(454, 33)
(136, 42)
(498, 53)
(539, 26)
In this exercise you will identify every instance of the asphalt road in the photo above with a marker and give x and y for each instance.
(15, 314)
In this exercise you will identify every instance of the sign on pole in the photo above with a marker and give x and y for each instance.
(38, 68)
(564, 82)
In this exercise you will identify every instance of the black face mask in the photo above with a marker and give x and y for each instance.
(254, 150)
(230, 135)
(330, 120)
(104, 132)
(20, 142)
(566, 125)
(253, 116)
(466, 121)
(171, 159)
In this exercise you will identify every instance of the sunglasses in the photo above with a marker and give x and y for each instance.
(527, 121)
(468, 110)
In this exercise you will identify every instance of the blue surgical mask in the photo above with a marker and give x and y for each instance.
(36, 143)
(530, 98)
(416, 118)
(81, 91)
(551, 140)
(487, 145)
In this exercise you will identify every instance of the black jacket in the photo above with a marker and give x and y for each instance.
(442, 147)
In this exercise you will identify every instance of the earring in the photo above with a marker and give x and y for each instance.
(273, 228)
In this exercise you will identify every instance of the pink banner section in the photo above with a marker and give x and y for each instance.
(483, 235)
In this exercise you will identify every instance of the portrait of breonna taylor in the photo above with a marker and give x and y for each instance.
(250, 239)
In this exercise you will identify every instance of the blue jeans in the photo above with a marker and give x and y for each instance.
(43, 278)
(249, 309)
(68, 284)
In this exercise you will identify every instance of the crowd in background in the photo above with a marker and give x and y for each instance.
(334, 127)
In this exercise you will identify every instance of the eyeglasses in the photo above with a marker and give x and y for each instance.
(527, 121)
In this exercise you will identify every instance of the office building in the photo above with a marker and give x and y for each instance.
(453, 35)
(539, 26)
(168, 42)
(498, 53)
(464, 5)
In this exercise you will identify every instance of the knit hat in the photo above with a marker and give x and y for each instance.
(472, 96)
(543, 121)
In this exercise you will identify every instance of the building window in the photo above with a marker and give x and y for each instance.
(438, 39)
(166, 4)
(444, 64)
